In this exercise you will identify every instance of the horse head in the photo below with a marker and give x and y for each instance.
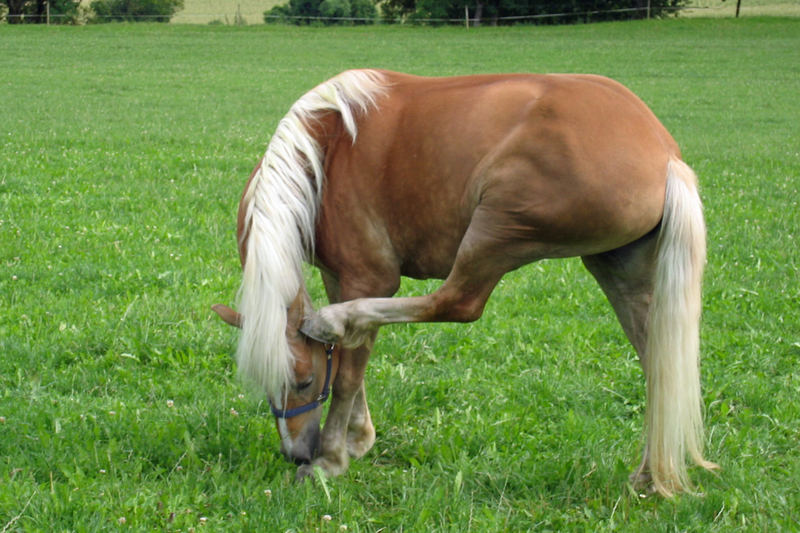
(297, 408)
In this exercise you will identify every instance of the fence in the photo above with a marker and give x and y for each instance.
(789, 8)
(466, 20)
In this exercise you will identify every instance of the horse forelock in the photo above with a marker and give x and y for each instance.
(282, 202)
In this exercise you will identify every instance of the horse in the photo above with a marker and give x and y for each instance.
(374, 175)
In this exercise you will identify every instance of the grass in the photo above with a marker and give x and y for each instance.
(124, 152)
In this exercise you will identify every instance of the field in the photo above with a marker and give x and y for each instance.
(124, 149)
(228, 12)
(747, 8)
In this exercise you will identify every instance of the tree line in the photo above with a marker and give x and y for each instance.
(493, 12)
(300, 12)
(72, 12)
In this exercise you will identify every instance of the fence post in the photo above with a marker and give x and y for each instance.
(738, 4)
(466, 16)
(47, 8)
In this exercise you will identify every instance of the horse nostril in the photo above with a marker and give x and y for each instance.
(300, 461)
(315, 445)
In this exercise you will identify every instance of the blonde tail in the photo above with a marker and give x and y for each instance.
(671, 364)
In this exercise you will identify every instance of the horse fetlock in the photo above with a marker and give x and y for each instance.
(641, 480)
(329, 466)
(360, 440)
(357, 336)
(321, 466)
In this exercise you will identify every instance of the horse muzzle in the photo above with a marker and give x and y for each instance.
(304, 447)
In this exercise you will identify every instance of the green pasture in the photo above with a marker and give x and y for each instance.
(123, 151)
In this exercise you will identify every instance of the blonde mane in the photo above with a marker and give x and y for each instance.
(281, 202)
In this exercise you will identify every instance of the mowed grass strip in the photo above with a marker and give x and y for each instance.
(124, 150)
(225, 12)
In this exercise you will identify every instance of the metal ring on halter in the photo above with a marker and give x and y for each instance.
(289, 413)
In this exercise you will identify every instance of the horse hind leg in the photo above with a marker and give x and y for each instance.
(482, 259)
(654, 286)
(626, 277)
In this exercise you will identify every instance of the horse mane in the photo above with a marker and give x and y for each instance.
(282, 201)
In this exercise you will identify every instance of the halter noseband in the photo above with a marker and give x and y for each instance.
(289, 413)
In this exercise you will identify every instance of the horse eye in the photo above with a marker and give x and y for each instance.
(305, 384)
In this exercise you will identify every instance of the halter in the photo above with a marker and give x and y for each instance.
(289, 413)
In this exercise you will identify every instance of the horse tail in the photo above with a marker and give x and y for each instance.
(671, 364)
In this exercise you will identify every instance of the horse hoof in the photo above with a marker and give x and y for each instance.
(641, 481)
(321, 329)
(304, 472)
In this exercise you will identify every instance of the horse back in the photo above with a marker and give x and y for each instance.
(574, 163)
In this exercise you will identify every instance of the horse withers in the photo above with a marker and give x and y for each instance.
(374, 175)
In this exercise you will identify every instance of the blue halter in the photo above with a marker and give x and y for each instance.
(289, 413)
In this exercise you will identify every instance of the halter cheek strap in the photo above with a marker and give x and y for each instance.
(289, 413)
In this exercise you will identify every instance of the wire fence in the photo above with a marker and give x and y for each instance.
(236, 19)
(462, 20)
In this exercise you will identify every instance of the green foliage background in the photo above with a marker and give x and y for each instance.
(125, 149)
(529, 11)
(303, 12)
(135, 10)
(36, 11)
(493, 12)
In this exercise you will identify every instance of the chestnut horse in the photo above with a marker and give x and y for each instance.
(374, 175)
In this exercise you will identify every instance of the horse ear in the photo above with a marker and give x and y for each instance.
(317, 328)
(295, 313)
(228, 315)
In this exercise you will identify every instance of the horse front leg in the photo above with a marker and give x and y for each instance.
(348, 428)
(360, 431)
